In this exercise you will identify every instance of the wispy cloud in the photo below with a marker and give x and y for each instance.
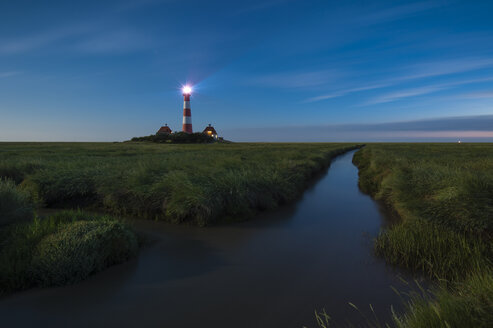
(94, 38)
(478, 127)
(477, 95)
(323, 97)
(116, 41)
(413, 92)
(261, 5)
(42, 39)
(445, 67)
(296, 79)
(426, 70)
(396, 12)
(344, 92)
(136, 4)
(8, 74)
(99, 35)
(455, 123)
(393, 96)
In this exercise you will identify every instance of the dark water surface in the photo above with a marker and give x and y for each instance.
(273, 271)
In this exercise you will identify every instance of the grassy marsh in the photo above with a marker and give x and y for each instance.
(198, 184)
(443, 194)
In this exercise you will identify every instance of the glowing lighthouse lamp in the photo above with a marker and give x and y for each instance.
(187, 112)
(187, 89)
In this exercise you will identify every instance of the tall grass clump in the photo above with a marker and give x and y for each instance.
(66, 183)
(15, 204)
(438, 252)
(61, 249)
(17, 170)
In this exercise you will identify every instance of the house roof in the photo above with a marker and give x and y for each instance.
(164, 130)
(210, 128)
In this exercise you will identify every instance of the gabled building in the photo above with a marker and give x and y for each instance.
(210, 131)
(164, 130)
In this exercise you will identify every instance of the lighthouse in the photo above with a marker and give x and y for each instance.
(187, 112)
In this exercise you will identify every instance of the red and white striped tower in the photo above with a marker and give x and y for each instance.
(187, 112)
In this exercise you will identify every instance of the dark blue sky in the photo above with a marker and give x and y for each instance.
(111, 70)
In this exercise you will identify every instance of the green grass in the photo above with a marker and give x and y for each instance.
(79, 249)
(443, 194)
(61, 249)
(439, 252)
(468, 304)
(16, 204)
(198, 184)
(449, 184)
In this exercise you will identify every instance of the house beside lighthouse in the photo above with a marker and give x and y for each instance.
(210, 131)
(164, 130)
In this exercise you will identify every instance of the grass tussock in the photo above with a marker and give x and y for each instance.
(197, 184)
(16, 204)
(61, 249)
(443, 194)
(17, 170)
(425, 247)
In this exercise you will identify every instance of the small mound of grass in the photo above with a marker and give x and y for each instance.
(15, 204)
(80, 249)
(61, 249)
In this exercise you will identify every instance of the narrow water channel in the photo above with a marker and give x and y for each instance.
(273, 271)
